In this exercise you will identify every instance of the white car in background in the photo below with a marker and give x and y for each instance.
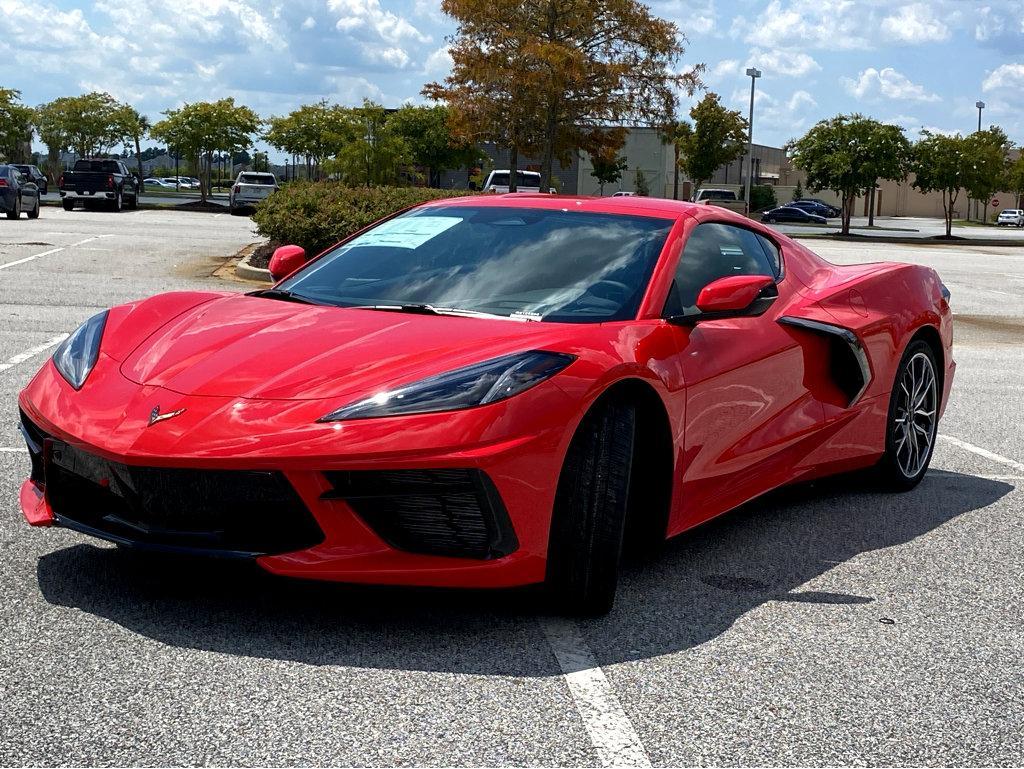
(152, 181)
(526, 181)
(250, 188)
(1011, 216)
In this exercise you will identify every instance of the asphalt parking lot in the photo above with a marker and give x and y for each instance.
(821, 625)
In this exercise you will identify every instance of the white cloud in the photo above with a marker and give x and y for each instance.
(889, 83)
(392, 57)
(309, 23)
(438, 64)
(806, 23)
(782, 62)
(368, 14)
(915, 23)
(800, 99)
(1005, 76)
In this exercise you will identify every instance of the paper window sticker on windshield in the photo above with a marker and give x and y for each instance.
(406, 232)
(731, 250)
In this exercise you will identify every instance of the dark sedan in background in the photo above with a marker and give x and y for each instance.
(791, 213)
(815, 207)
(34, 175)
(17, 194)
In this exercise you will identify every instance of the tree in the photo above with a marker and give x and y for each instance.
(89, 124)
(1014, 180)
(371, 153)
(640, 183)
(718, 136)
(134, 126)
(311, 132)
(987, 164)
(427, 134)
(15, 124)
(849, 154)
(553, 75)
(762, 196)
(608, 168)
(198, 130)
(798, 191)
(940, 165)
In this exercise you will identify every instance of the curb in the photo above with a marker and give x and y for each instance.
(246, 271)
(149, 207)
(910, 241)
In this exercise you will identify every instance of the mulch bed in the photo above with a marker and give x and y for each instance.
(198, 205)
(261, 256)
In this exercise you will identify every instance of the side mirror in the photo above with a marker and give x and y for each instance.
(734, 296)
(286, 260)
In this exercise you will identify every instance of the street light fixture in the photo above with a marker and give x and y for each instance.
(980, 105)
(753, 74)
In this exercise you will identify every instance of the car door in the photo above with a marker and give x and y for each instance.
(749, 415)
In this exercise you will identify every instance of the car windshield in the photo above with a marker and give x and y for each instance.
(521, 263)
(523, 179)
(256, 179)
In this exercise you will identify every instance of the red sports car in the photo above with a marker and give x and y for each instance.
(488, 391)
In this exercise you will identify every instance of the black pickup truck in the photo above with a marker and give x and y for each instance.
(105, 180)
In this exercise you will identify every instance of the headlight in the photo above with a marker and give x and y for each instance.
(476, 385)
(77, 355)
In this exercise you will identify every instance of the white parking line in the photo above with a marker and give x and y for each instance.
(13, 450)
(21, 357)
(610, 730)
(51, 251)
(1018, 466)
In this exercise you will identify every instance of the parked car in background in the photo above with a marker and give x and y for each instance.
(722, 198)
(180, 182)
(99, 180)
(834, 209)
(623, 194)
(250, 188)
(1011, 217)
(791, 214)
(34, 175)
(154, 182)
(18, 193)
(814, 207)
(526, 181)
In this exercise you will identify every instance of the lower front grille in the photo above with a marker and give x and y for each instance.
(222, 512)
(455, 512)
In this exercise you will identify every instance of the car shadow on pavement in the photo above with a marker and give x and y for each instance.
(693, 591)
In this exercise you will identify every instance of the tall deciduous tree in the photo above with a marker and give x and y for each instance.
(313, 132)
(200, 129)
(1014, 179)
(986, 170)
(371, 153)
(940, 165)
(134, 127)
(849, 154)
(608, 168)
(551, 75)
(15, 124)
(87, 125)
(717, 136)
(427, 134)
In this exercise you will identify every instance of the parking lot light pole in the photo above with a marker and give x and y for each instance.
(980, 105)
(753, 74)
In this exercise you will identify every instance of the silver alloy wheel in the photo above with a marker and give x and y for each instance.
(916, 417)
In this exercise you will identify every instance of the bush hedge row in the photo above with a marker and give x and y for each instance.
(315, 215)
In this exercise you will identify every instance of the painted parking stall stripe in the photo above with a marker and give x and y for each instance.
(610, 730)
(1018, 466)
(51, 251)
(31, 352)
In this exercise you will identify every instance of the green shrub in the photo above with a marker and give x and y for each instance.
(762, 196)
(315, 215)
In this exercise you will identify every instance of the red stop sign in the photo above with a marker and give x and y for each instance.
(995, 202)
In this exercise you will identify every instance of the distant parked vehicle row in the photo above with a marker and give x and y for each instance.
(1011, 217)
(152, 181)
(721, 198)
(792, 213)
(18, 193)
(99, 180)
(249, 189)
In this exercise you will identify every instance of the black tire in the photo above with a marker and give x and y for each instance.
(891, 474)
(589, 515)
(118, 203)
(44, 189)
(16, 213)
(771, 220)
(69, 205)
(133, 202)
(34, 213)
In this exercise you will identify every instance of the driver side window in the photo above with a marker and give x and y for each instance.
(714, 251)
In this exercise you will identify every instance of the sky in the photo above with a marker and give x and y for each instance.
(916, 64)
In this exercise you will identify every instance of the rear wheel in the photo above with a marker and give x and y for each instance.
(590, 511)
(16, 211)
(913, 419)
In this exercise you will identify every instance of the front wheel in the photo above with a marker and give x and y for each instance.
(69, 205)
(913, 419)
(34, 213)
(118, 203)
(771, 220)
(589, 515)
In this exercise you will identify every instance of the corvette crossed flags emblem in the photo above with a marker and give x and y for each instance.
(155, 415)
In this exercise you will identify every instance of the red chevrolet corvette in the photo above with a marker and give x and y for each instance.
(487, 392)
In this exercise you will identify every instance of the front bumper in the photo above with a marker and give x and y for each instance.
(489, 530)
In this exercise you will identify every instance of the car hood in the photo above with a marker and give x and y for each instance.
(250, 347)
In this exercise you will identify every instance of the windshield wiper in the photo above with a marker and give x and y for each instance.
(421, 308)
(284, 295)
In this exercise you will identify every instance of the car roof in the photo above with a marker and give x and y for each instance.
(664, 208)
